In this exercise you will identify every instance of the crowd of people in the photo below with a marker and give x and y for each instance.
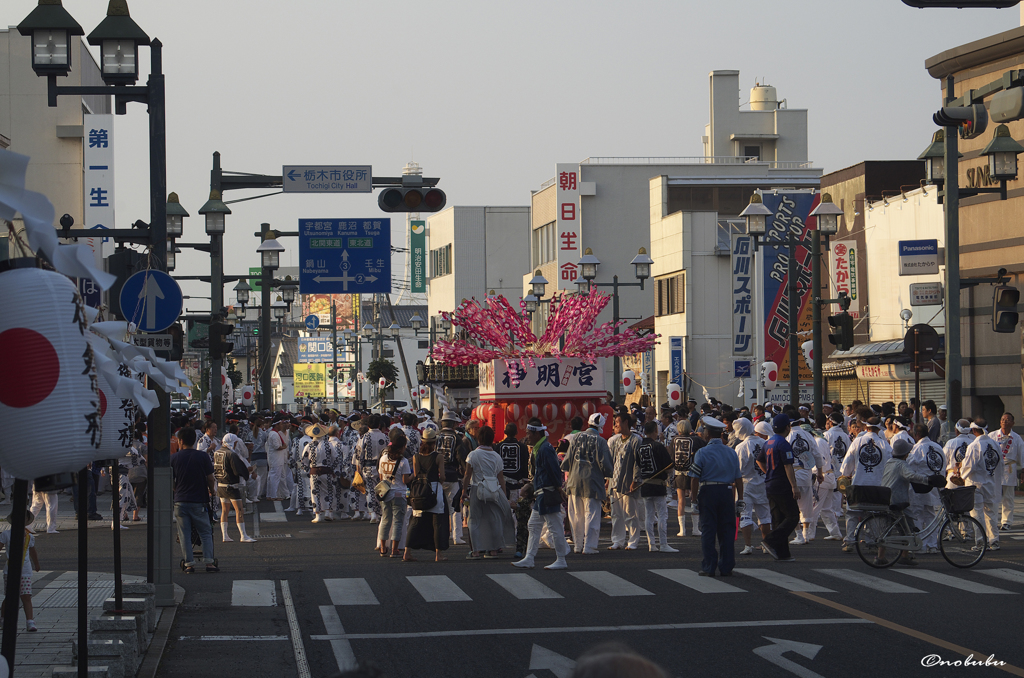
(429, 485)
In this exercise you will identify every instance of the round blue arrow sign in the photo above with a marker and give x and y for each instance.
(312, 322)
(152, 300)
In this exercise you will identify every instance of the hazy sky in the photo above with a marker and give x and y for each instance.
(490, 95)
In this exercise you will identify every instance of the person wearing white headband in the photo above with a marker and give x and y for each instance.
(825, 497)
(805, 460)
(982, 467)
(1011, 446)
(750, 449)
(626, 505)
(587, 463)
(863, 465)
(927, 459)
(954, 451)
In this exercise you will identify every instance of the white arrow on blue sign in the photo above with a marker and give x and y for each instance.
(312, 322)
(152, 300)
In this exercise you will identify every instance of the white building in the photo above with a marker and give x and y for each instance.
(694, 215)
(473, 250)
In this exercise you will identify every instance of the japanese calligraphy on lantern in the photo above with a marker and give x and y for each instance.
(570, 378)
(742, 297)
(567, 224)
(843, 264)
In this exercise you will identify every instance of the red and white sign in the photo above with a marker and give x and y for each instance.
(567, 224)
(628, 381)
(247, 395)
(675, 394)
(844, 267)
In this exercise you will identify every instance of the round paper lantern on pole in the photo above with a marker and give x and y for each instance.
(628, 381)
(46, 366)
(808, 350)
(675, 394)
(382, 382)
(118, 418)
(569, 410)
(247, 395)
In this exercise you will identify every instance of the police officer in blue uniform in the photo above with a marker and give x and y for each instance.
(714, 476)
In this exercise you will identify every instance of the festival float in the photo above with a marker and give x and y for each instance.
(556, 376)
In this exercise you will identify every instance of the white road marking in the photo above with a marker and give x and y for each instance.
(876, 583)
(954, 582)
(278, 515)
(293, 624)
(610, 584)
(438, 588)
(593, 629)
(1016, 576)
(523, 587)
(253, 593)
(354, 591)
(342, 648)
(782, 580)
(229, 638)
(692, 580)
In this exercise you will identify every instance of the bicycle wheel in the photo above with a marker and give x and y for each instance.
(870, 537)
(962, 541)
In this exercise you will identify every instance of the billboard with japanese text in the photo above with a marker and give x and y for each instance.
(567, 223)
(843, 268)
(568, 378)
(790, 215)
(742, 299)
(310, 380)
(320, 306)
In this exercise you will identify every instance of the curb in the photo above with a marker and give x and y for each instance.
(154, 653)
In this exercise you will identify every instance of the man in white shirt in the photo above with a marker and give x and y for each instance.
(825, 496)
(1011, 446)
(926, 458)
(805, 460)
(955, 450)
(982, 467)
(277, 460)
(749, 451)
(863, 464)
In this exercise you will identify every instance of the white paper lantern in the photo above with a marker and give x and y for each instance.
(808, 350)
(628, 381)
(117, 415)
(46, 367)
(247, 395)
(382, 382)
(675, 395)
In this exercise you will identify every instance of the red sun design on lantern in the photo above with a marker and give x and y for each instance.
(30, 367)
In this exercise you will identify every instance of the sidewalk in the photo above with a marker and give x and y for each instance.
(55, 599)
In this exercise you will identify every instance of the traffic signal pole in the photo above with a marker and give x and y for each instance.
(816, 311)
(264, 364)
(794, 366)
(216, 303)
(951, 212)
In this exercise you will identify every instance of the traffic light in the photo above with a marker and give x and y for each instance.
(971, 120)
(219, 332)
(416, 199)
(1004, 308)
(177, 341)
(769, 374)
(842, 336)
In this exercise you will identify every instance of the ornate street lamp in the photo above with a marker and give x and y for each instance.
(50, 27)
(215, 209)
(270, 253)
(1002, 154)
(242, 290)
(118, 38)
(175, 217)
(828, 215)
(756, 215)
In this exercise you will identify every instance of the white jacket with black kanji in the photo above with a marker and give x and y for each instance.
(865, 459)
(983, 467)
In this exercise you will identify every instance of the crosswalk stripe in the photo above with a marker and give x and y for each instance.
(438, 588)
(692, 580)
(342, 649)
(610, 584)
(253, 593)
(954, 582)
(523, 586)
(876, 583)
(782, 580)
(1006, 573)
(354, 591)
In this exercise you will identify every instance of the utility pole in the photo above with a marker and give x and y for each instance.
(951, 199)
(334, 346)
(263, 365)
(816, 333)
(793, 309)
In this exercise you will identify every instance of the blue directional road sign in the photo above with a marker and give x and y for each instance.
(327, 178)
(344, 256)
(152, 300)
(312, 322)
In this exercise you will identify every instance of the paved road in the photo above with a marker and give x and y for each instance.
(320, 592)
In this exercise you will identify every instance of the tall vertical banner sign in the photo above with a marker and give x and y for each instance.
(843, 266)
(675, 374)
(567, 222)
(790, 214)
(97, 191)
(418, 257)
(742, 298)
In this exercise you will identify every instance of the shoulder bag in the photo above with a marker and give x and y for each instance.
(385, 486)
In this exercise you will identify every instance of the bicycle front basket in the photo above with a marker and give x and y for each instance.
(959, 499)
(869, 497)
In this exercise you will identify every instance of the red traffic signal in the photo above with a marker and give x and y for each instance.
(418, 199)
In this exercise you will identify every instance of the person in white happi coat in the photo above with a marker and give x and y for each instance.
(805, 460)
(838, 443)
(278, 443)
(955, 450)
(367, 456)
(863, 465)
(587, 464)
(749, 451)
(1011, 446)
(321, 471)
(982, 467)
(626, 519)
(927, 459)
(826, 499)
(300, 474)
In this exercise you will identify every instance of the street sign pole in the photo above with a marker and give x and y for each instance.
(334, 346)
(917, 378)
(264, 363)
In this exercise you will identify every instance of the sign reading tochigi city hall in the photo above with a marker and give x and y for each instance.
(327, 179)
(344, 256)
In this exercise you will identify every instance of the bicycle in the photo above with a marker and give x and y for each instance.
(884, 535)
